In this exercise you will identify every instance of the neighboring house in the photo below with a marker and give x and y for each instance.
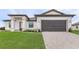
(51, 20)
(75, 26)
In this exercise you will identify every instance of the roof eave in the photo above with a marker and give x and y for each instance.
(16, 15)
(31, 20)
(6, 20)
(57, 15)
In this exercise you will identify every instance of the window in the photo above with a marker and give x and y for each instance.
(30, 24)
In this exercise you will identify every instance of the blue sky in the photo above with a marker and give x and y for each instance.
(30, 12)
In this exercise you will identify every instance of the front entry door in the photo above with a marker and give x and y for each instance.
(20, 26)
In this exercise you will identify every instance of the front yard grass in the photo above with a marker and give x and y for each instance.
(75, 32)
(21, 40)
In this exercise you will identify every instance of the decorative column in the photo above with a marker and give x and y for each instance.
(12, 25)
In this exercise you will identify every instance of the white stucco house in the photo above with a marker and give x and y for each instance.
(51, 20)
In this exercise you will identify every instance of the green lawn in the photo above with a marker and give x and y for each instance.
(21, 40)
(75, 32)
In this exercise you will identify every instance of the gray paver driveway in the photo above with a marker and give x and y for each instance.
(61, 40)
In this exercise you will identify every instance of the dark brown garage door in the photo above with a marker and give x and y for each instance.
(53, 25)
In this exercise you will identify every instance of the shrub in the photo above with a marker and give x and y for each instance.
(7, 31)
(2, 28)
(70, 30)
(32, 30)
(39, 30)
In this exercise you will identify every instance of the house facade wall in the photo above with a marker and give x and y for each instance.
(24, 24)
(68, 21)
(36, 24)
(15, 23)
(7, 26)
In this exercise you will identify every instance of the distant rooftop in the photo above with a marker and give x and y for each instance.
(77, 23)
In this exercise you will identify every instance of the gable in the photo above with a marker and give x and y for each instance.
(52, 12)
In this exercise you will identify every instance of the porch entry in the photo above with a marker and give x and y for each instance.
(20, 26)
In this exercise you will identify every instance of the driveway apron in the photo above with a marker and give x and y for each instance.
(61, 40)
